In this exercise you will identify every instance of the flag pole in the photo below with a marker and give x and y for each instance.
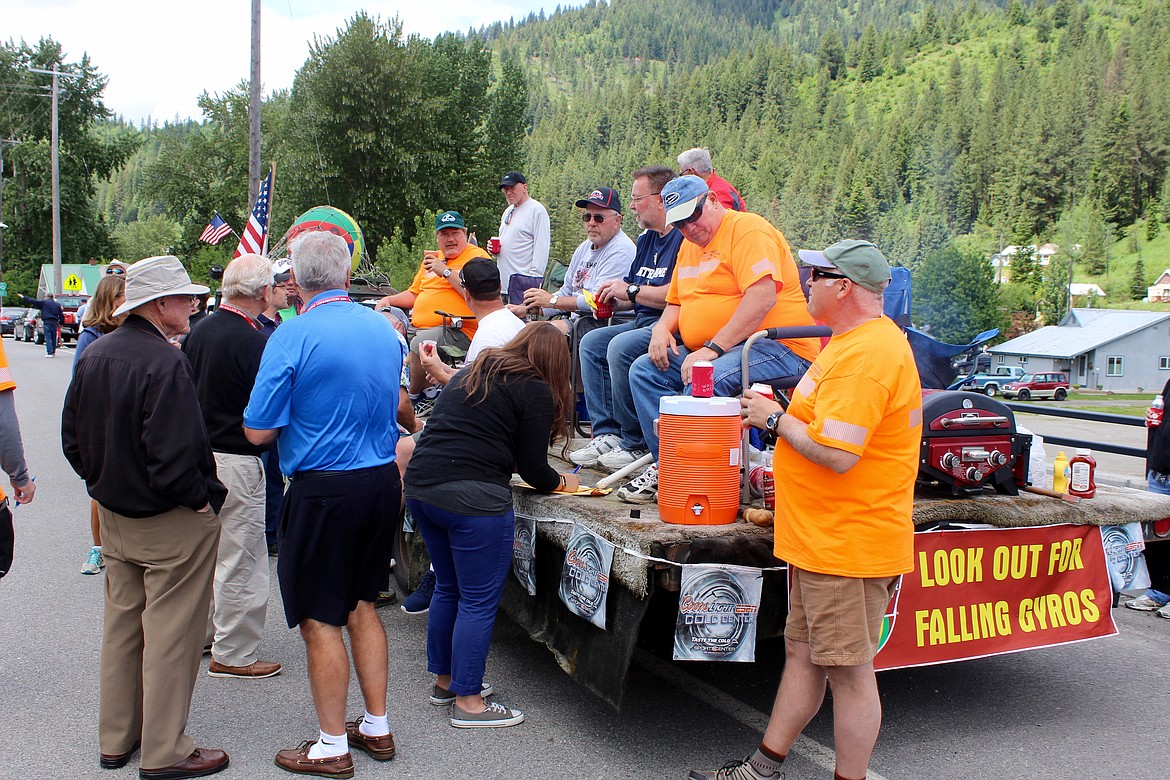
(271, 199)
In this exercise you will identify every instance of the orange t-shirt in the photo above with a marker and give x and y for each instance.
(862, 395)
(435, 292)
(709, 281)
(6, 383)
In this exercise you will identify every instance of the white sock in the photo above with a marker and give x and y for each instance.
(328, 746)
(97, 547)
(375, 725)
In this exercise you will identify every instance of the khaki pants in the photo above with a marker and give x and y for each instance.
(240, 596)
(158, 587)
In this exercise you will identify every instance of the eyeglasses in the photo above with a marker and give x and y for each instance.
(598, 218)
(698, 212)
(634, 199)
(818, 274)
(508, 215)
(116, 269)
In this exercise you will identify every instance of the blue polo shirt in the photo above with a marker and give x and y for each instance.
(329, 381)
(653, 265)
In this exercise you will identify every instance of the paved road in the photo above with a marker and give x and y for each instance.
(1093, 710)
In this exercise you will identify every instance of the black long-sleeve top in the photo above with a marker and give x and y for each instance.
(131, 426)
(506, 433)
(224, 350)
(1158, 442)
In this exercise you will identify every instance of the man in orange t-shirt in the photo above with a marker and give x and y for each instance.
(12, 459)
(734, 276)
(845, 464)
(436, 288)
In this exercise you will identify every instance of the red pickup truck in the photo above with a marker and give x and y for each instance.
(70, 329)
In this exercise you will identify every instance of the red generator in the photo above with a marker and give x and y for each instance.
(969, 442)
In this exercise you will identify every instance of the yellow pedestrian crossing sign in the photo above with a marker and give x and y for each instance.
(72, 283)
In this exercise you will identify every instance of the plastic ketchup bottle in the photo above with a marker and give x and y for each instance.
(1082, 469)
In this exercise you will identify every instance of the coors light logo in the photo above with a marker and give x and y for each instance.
(717, 611)
(585, 575)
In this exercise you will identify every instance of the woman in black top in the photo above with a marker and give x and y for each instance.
(496, 417)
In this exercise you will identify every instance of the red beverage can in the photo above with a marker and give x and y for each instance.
(1156, 413)
(768, 482)
(494, 245)
(702, 379)
(604, 309)
(763, 389)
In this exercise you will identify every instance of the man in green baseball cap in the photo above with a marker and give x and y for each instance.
(859, 261)
(436, 289)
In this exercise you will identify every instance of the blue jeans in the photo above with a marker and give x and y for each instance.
(769, 361)
(606, 357)
(471, 556)
(51, 331)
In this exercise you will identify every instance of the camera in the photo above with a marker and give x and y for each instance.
(216, 272)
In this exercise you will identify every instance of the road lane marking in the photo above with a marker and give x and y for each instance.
(821, 755)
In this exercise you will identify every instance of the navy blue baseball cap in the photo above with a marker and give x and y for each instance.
(606, 197)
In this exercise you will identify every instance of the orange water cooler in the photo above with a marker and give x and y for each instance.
(698, 460)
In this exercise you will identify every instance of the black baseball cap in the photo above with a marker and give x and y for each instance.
(480, 276)
(606, 197)
(512, 178)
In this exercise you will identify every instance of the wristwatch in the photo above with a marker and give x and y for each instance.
(446, 273)
(552, 302)
(632, 292)
(773, 421)
(718, 350)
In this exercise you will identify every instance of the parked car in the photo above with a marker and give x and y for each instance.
(27, 327)
(989, 383)
(1051, 384)
(8, 315)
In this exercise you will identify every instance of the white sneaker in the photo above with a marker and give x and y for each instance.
(1144, 603)
(1163, 612)
(619, 458)
(588, 456)
(643, 489)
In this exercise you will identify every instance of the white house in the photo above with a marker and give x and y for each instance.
(1002, 261)
(1160, 291)
(1113, 349)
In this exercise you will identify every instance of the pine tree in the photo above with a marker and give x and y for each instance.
(1138, 287)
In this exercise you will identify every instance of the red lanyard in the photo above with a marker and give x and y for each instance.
(323, 301)
(241, 312)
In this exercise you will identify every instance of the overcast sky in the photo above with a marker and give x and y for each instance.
(160, 54)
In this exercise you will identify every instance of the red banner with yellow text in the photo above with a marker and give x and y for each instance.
(976, 593)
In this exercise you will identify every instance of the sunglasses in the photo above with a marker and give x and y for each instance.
(508, 215)
(698, 212)
(598, 218)
(818, 274)
(116, 270)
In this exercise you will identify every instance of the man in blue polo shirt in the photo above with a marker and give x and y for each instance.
(608, 353)
(333, 410)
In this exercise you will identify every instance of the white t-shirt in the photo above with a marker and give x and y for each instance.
(524, 241)
(495, 330)
(590, 268)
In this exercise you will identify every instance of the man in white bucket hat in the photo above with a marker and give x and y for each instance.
(131, 428)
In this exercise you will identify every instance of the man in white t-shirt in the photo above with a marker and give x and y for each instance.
(524, 238)
(480, 281)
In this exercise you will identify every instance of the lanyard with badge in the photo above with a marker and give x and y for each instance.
(241, 312)
(323, 301)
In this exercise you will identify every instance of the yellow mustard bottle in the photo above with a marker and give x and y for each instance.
(1060, 473)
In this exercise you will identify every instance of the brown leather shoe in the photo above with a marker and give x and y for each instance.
(201, 762)
(297, 761)
(118, 760)
(380, 748)
(254, 670)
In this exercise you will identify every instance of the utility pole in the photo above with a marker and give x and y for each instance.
(13, 142)
(56, 165)
(254, 110)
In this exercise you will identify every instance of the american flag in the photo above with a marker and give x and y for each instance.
(216, 230)
(255, 238)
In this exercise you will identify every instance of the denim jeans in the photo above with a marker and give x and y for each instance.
(769, 361)
(471, 556)
(606, 357)
(51, 331)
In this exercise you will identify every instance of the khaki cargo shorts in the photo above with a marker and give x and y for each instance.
(840, 618)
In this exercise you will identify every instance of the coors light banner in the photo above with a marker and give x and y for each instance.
(717, 611)
(585, 575)
(524, 553)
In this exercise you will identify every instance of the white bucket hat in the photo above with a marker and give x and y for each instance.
(157, 277)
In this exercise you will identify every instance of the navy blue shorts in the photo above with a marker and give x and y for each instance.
(338, 531)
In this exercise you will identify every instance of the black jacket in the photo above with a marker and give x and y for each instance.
(1158, 442)
(131, 426)
(51, 311)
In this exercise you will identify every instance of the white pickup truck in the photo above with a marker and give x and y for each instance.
(990, 384)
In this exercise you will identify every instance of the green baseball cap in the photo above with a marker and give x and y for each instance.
(449, 219)
(861, 261)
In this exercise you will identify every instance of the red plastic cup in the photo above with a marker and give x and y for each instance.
(494, 245)
(702, 379)
(604, 309)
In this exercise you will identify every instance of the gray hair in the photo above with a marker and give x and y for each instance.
(246, 277)
(320, 261)
(697, 159)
